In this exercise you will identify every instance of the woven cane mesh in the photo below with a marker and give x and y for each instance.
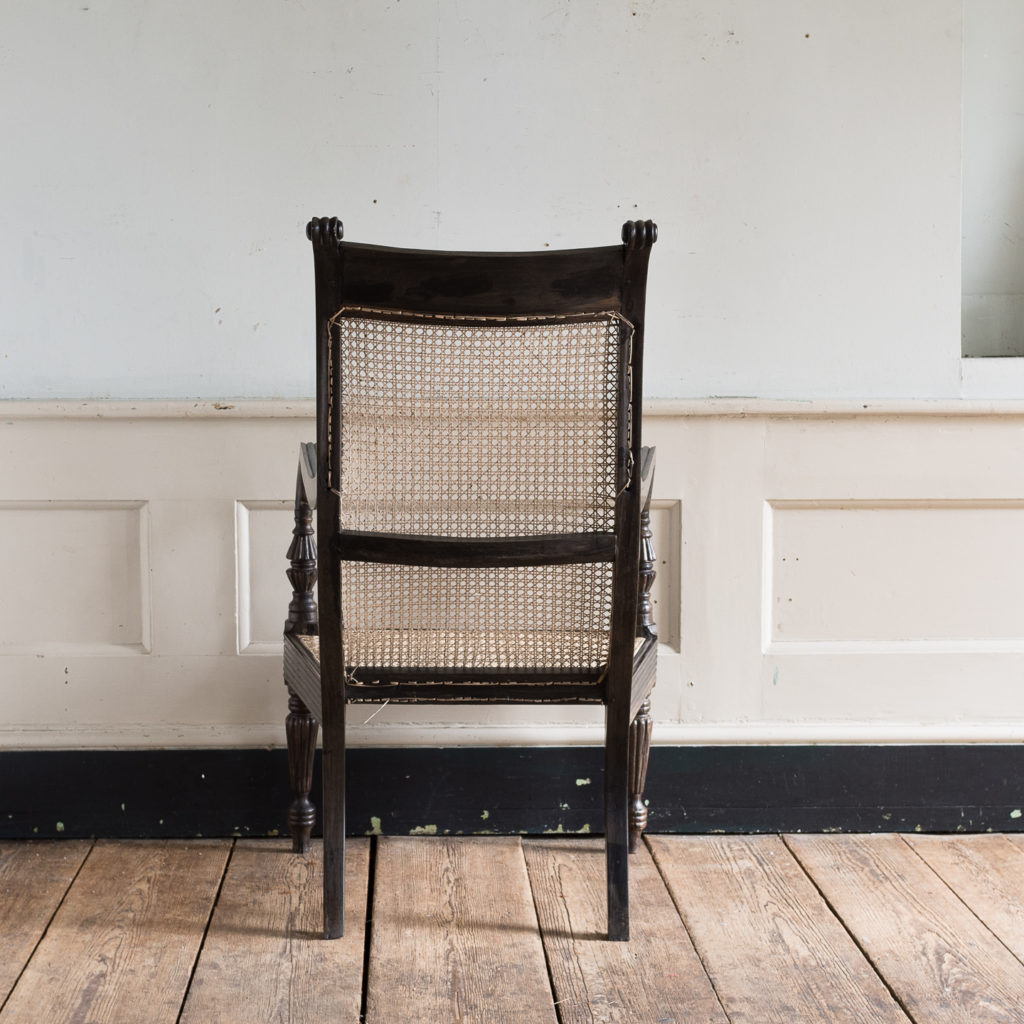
(477, 428)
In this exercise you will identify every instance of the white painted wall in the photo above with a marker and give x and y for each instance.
(160, 161)
(161, 158)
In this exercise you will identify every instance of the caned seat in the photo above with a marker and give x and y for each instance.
(481, 497)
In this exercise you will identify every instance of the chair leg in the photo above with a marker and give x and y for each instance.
(616, 829)
(301, 728)
(334, 830)
(639, 753)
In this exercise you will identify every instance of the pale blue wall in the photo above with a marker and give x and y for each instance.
(161, 159)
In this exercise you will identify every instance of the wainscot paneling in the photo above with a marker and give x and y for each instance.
(828, 573)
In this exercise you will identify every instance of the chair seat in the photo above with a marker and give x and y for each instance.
(413, 644)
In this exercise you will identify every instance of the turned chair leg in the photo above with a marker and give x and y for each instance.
(639, 753)
(301, 729)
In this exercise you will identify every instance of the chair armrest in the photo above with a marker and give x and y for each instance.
(646, 476)
(307, 471)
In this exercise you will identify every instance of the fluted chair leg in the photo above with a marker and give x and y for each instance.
(301, 729)
(639, 754)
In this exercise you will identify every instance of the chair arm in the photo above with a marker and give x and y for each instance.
(307, 471)
(646, 476)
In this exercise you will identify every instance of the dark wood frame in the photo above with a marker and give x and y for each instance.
(609, 279)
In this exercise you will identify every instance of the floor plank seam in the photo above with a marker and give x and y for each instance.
(682, 921)
(206, 930)
(45, 931)
(555, 1001)
(835, 913)
(371, 881)
(973, 912)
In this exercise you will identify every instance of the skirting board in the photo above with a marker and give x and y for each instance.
(530, 790)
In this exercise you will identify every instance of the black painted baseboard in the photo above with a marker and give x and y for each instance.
(936, 788)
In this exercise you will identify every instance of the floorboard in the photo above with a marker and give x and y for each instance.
(455, 935)
(773, 949)
(34, 877)
(264, 958)
(656, 976)
(121, 948)
(987, 873)
(942, 963)
(872, 929)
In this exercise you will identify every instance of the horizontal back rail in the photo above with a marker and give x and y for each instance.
(475, 552)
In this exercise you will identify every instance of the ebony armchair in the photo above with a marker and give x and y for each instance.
(481, 498)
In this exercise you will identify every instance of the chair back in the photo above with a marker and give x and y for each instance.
(478, 429)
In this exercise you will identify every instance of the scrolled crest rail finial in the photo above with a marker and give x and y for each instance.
(639, 234)
(321, 230)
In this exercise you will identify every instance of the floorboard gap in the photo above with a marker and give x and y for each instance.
(371, 881)
(835, 913)
(682, 921)
(917, 853)
(547, 960)
(60, 903)
(206, 931)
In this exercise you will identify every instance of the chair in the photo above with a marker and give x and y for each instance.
(482, 508)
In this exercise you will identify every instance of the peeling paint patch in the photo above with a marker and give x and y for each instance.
(423, 830)
(1016, 813)
(374, 829)
(60, 826)
(563, 807)
(583, 782)
(563, 831)
(485, 815)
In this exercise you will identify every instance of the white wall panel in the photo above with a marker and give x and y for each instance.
(76, 577)
(263, 531)
(872, 576)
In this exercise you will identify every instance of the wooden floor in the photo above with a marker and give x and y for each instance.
(868, 928)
